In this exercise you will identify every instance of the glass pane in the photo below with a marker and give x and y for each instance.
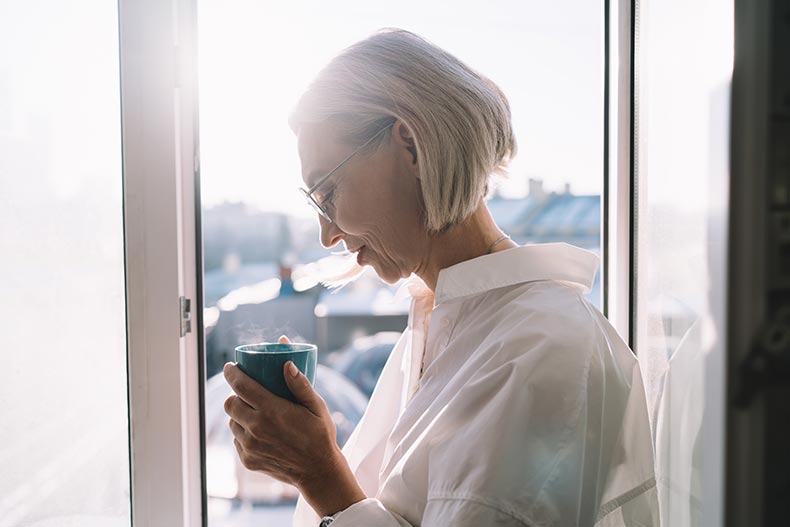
(64, 455)
(684, 68)
(256, 58)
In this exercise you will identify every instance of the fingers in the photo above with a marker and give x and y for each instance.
(248, 459)
(252, 393)
(239, 431)
(302, 390)
(239, 411)
(242, 436)
(299, 385)
(240, 451)
(249, 454)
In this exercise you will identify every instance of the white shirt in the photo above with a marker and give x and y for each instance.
(530, 411)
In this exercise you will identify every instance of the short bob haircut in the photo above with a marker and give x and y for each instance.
(459, 118)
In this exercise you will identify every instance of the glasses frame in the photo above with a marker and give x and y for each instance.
(308, 193)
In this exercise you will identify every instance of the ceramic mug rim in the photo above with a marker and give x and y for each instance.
(303, 347)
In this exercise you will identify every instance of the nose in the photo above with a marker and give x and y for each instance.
(331, 234)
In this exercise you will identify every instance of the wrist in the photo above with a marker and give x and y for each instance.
(333, 488)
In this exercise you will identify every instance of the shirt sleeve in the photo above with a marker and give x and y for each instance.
(439, 512)
(371, 513)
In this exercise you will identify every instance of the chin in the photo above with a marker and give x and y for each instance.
(388, 274)
(389, 278)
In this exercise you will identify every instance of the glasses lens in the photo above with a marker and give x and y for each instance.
(313, 203)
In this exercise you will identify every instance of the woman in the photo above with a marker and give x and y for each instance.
(508, 400)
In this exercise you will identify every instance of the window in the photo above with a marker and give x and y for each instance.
(258, 234)
(64, 324)
(64, 446)
(683, 70)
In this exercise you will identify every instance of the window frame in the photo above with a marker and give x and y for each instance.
(747, 308)
(160, 165)
(618, 202)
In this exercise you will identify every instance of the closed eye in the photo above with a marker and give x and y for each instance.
(328, 197)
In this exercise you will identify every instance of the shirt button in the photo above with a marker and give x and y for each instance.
(445, 322)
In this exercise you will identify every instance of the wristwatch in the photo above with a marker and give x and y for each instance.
(327, 520)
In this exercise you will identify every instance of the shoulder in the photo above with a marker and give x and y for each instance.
(543, 315)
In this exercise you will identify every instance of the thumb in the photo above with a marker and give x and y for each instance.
(301, 388)
(283, 340)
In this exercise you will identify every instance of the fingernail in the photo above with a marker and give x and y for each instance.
(292, 369)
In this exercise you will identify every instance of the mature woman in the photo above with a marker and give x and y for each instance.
(508, 400)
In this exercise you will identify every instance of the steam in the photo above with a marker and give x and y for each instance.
(334, 272)
(249, 333)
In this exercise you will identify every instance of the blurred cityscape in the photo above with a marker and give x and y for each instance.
(256, 289)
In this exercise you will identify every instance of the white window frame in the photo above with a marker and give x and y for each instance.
(617, 221)
(158, 101)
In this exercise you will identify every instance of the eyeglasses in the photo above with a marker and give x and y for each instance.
(319, 207)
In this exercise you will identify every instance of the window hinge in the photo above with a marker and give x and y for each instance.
(185, 305)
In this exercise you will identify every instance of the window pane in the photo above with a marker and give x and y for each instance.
(256, 58)
(64, 456)
(684, 64)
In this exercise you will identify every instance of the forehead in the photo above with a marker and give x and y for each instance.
(319, 151)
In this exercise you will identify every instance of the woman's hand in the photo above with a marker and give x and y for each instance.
(294, 443)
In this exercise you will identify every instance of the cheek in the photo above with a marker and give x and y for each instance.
(361, 209)
(390, 225)
(376, 191)
(383, 211)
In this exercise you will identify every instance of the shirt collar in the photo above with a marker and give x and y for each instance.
(527, 263)
(414, 286)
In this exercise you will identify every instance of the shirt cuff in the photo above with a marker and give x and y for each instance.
(369, 512)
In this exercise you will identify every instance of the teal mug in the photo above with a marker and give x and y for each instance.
(265, 363)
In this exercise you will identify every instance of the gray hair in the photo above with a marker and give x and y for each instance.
(459, 118)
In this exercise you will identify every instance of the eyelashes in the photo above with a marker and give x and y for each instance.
(328, 200)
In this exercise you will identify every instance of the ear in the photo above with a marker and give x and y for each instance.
(404, 138)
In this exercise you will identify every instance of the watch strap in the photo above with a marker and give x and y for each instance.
(326, 521)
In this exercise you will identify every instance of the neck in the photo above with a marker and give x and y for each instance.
(469, 239)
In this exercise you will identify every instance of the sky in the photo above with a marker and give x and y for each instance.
(256, 58)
